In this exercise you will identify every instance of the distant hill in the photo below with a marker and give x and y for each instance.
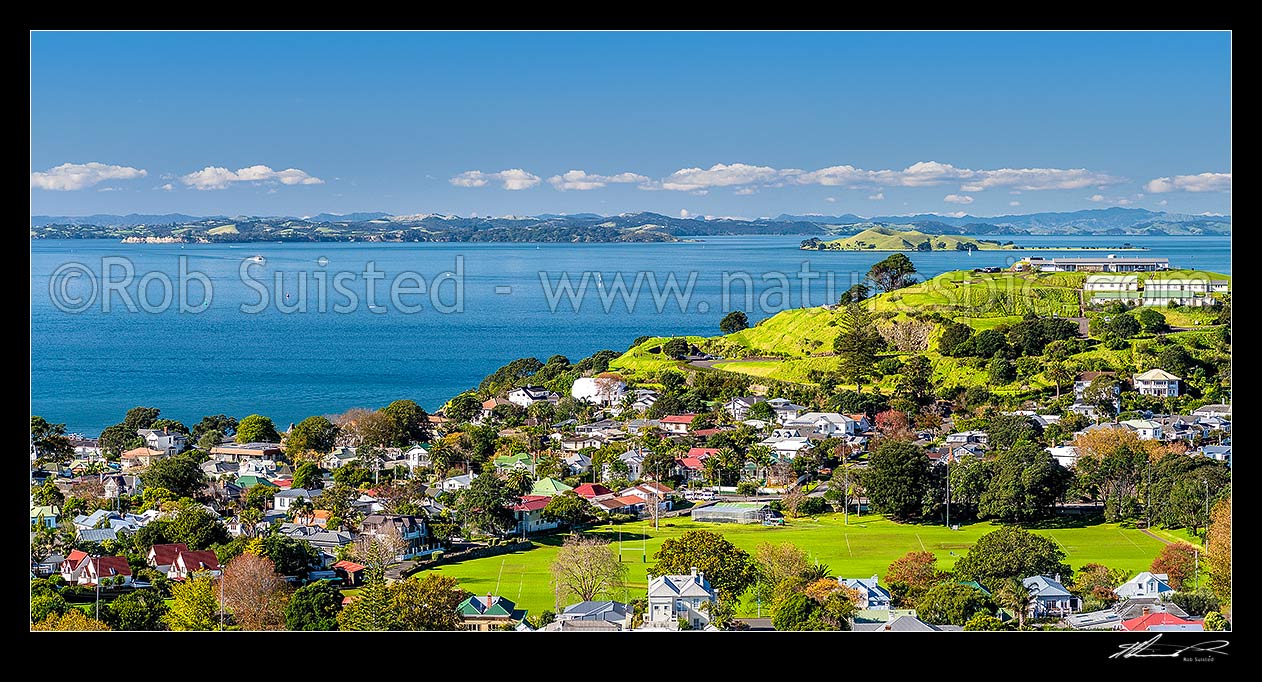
(1106, 221)
(882, 238)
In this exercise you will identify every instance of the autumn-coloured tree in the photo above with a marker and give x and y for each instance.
(893, 424)
(427, 603)
(194, 604)
(1097, 581)
(911, 576)
(74, 619)
(1178, 561)
(254, 593)
(792, 501)
(1218, 557)
(585, 568)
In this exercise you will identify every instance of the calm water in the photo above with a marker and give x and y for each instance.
(88, 368)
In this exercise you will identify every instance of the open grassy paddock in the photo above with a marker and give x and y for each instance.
(866, 547)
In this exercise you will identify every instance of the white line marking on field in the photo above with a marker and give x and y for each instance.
(922, 542)
(847, 536)
(500, 575)
(1119, 532)
(1057, 541)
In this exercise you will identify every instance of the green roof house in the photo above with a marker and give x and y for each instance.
(489, 613)
(520, 460)
(250, 480)
(549, 487)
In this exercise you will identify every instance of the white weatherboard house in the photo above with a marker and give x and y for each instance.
(1156, 382)
(872, 594)
(675, 597)
(526, 396)
(1107, 288)
(1146, 429)
(1181, 291)
(1145, 584)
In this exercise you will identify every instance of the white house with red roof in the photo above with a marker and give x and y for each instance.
(72, 566)
(677, 423)
(188, 562)
(650, 491)
(529, 513)
(163, 555)
(1158, 622)
(114, 568)
(593, 491)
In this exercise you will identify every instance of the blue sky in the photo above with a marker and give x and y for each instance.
(725, 124)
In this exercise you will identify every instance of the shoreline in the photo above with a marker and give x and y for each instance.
(1017, 248)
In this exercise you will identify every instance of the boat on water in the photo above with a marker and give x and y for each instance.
(257, 259)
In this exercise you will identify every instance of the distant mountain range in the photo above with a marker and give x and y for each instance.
(590, 227)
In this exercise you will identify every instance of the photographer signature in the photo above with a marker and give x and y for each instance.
(1151, 649)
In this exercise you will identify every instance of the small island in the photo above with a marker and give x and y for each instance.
(890, 239)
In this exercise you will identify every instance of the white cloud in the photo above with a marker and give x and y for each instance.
(683, 213)
(167, 187)
(1097, 198)
(958, 199)
(745, 191)
(512, 179)
(1014, 203)
(217, 177)
(582, 180)
(956, 214)
(72, 176)
(723, 175)
(831, 200)
(879, 196)
(1204, 182)
(1163, 202)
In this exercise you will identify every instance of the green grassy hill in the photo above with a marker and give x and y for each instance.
(889, 239)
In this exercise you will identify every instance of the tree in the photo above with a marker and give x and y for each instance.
(1026, 482)
(797, 612)
(953, 337)
(1097, 582)
(220, 424)
(181, 475)
(137, 610)
(257, 429)
(1197, 603)
(1000, 371)
(897, 479)
(47, 494)
(194, 603)
(1057, 373)
(486, 505)
(462, 408)
(676, 348)
(1178, 561)
(569, 509)
(307, 475)
(1215, 622)
(49, 441)
(1003, 431)
(984, 622)
(195, 526)
(72, 620)
(1152, 321)
(371, 610)
(915, 382)
(857, 292)
(1011, 552)
(1176, 359)
(310, 438)
(254, 593)
(586, 567)
(48, 604)
(950, 603)
(428, 603)
(1218, 550)
(729, 569)
(1012, 594)
(857, 344)
(893, 273)
(411, 423)
(117, 439)
(290, 556)
(1124, 326)
(313, 607)
(733, 322)
(777, 563)
(911, 576)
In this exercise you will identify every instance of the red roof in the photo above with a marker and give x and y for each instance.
(531, 503)
(199, 560)
(692, 463)
(612, 503)
(706, 433)
(164, 555)
(857, 417)
(590, 490)
(629, 500)
(702, 453)
(654, 485)
(1144, 622)
(76, 556)
(109, 566)
(348, 566)
(678, 419)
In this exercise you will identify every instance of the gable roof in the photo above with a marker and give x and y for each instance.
(108, 566)
(199, 560)
(1143, 623)
(349, 566)
(678, 419)
(1156, 375)
(1045, 586)
(702, 453)
(548, 486)
(477, 606)
(165, 554)
(590, 490)
(530, 503)
(76, 556)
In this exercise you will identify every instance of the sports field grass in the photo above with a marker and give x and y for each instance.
(864, 548)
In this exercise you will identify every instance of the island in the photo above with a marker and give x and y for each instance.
(882, 238)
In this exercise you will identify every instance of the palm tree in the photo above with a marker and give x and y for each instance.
(301, 509)
(817, 572)
(1013, 595)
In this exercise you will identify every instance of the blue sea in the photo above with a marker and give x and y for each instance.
(244, 351)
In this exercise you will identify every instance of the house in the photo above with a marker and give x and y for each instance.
(169, 441)
(529, 515)
(786, 448)
(187, 562)
(677, 423)
(328, 542)
(114, 568)
(48, 566)
(338, 458)
(350, 572)
(1162, 622)
(785, 409)
(672, 598)
(634, 459)
(578, 463)
(520, 460)
(599, 390)
(1161, 291)
(1100, 289)
(45, 515)
(1145, 584)
(1180, 427)
(576, 443)
(525, 396)
(97, 535)
(162, 556)
(827, 424)
(1049, 598)
(72, 566)
(738, 407)
(1065, 455)
(488, 406)
(105, 518)
(1221, 453)
(593, 491)
(1127, 609)
(1146, 429)
(644, 399)
(141, 457)
(963, 437)
(417, 456)
(649, 492)
(412, 530)
(456, 482)
(599, 427)
(249, 481)
(690, 468)
(900, 620)
(1213, 410)
(1156, 382)
(117, 485)
(549, 487)
(611, 612)
(610, 504)
(240, 452)
(1109, 263)
(90, 448)
(285, 499)
(638, 426)
(702, 453)
(1214, 422)
(491, 612)
(871, 594)
(631, 504)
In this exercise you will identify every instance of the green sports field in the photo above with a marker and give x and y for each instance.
(865, 547)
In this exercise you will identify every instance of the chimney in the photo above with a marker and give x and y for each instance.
(888, 626)
(1057, 577)
(692, 570)
(875, 579)
(1146, 611)
(488, 600)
